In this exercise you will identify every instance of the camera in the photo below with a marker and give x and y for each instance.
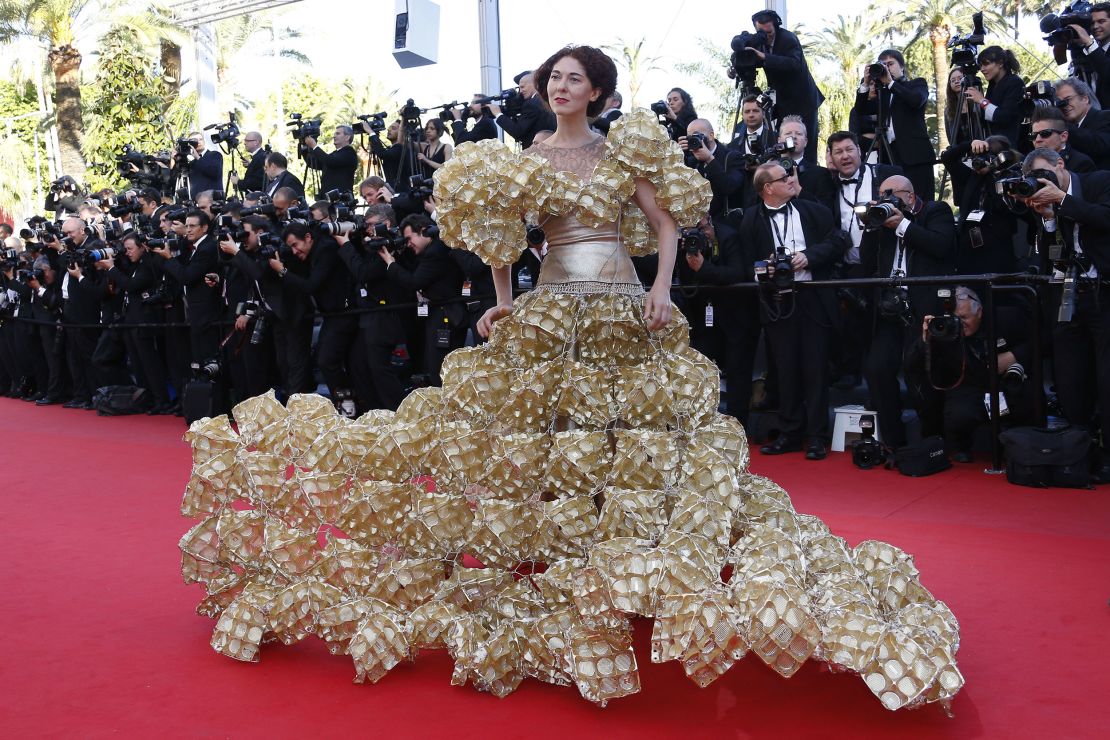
(207, 370)
(253, 311)
(270, 245)
(225, 133)
(1040, 94)
(744, 61)
(965, 49)
(694, 142)
(692, 240)
(185, 149)
(867, 452)
(778, 272)
(512, 102)
(384, 237)
(659, 108)
(947, 327)
(992, 162)
(126, 205)
(1023, 186)
(173, 243)
(262, 209)
(873, 215)
(376, 121)
(876, 71)
(64, 184)
(535, 235)
(894, 303)
(1056, 25)
(302, 129)
(331, 228)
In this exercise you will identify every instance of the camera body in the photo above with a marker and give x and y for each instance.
(303, 129)
(225, 133)
(1023, 186)
(694, 142)
(867, 452)
(534, 235)
(947, 327)
(876, 71)
(1040, 94)
(692, 241)
(744, 61)
(873, 215)
(659, 108)
(1055, 26)
(376, 121)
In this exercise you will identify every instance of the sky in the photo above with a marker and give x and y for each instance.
(530, 31)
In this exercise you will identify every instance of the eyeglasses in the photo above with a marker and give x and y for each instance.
(1065, 102)
(1044, 133)
(784, 178)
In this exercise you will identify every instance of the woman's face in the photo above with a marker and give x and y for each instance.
(674, 100)
(992, 70)
(430, 133)
(956, 81)
(569, 90)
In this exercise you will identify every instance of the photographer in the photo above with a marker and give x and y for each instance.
(753, 136)
(278, 176)
(1090, 53)
(205, 166)
(915, 238)
(723, 167)
(722, 258)
(381, 328)
(337, 168)
(399, 162)
(611, 113)
(439, 281)
(286, 315)
(800, 238)
(483, 128)
(987, 226)
(195, 269)
(254, 178)
(329, 284)
(678, 111)
(1075, 213)
(1049, 130)
(901, 102)
(784, 61)
(1088, 127)
(815, 181)
(1001, 105)
(46, 307)
(961, 364)
(534, 115)
(138, 277)
(65, 197)
(81, 296)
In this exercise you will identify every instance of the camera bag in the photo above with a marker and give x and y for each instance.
(924, 458)
(120, 400)
(1048, 457)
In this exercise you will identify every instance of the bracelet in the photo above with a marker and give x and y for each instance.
(984, 103)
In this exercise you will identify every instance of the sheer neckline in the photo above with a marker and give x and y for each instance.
(592, 142)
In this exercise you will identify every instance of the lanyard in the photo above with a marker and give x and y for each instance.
(781, 238)
(852, 204)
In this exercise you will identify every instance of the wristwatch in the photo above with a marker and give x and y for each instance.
(283, 272)
(984, 103)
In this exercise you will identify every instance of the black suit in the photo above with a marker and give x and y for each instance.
(204, 306)
(788, 74)
(997, 228)
(530, 262)
(816, 181)
(929, 249)
(337, 168)
(484, 128)
(137, 281)
(82, 306)
(603, 122)
(1094, 69)
(399, 163)
(285, 180)
(725, 173)
(254, 178)
(50, 355)
(904, 105)
(799, 335)
(381, 329)
(206, 173)
(1007, 94)
(438, 277)
(1092, 137)
(1077, 161)
(533, 117)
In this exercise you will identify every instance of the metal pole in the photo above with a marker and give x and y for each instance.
(204, 42)
(489, 44)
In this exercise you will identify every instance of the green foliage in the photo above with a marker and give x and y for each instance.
(125, 105)
(711, 72)
(21, 121)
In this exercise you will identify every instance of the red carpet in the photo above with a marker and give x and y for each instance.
(102, 639)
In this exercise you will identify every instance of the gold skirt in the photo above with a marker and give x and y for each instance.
(571, 473)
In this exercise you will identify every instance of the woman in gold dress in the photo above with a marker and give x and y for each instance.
(571, 473)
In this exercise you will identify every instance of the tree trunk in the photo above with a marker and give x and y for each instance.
(65, 61)
(169, 55)
(939, 39)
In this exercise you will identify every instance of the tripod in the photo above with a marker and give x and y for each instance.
(882, 129)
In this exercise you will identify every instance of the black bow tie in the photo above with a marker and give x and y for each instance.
(852, 181)
(772, 212)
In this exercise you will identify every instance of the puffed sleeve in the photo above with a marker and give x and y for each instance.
(480, 198)
(641, 146)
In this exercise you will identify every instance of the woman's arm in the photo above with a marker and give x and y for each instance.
(503, 287)
(657, 303)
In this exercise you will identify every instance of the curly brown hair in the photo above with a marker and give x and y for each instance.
(600, 70)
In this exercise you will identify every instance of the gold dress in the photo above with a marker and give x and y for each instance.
(571, 473)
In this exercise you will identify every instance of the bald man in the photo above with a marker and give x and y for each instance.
(723, 167)
(255, 176)
(918, 239)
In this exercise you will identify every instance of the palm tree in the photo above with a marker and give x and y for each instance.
(710, 72)
(848, 45)
(631, 56)
(935, 21)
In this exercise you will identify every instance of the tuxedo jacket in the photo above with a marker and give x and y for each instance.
(438, 278)
(484, 128)
(254, 178)
(1088, 207)
(904, 101)
(137, 280)
(834, 190)
(1098, 62)
(1076, 160)
(604, 121)
(825, 247)
(726, 174)
(328, 281)
(337, 168)
(203, 305)
(375, 290)
(788, 74)
(533, 117)
(285, 180)
(930, 246)
(527, 260)
(1093, 137)
(1007, 94)
(206, 173)
(289, 306)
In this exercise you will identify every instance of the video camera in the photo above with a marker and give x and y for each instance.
(744, 61)
(376, 121)
(512, 102)
(302, 129)
(1056, 25)
(965, 49)
(225, 133)
(143, 170)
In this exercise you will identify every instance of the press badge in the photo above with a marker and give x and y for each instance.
(976, 216)
(422, 309)
(709, 316)
(466, 289)
(362, 292)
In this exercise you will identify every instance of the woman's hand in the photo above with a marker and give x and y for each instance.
(495, 314)
(657, 307)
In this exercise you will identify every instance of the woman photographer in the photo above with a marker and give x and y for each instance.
(1001, 105)
(434, 151)
(680, 112)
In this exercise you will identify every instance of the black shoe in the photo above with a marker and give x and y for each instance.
(781, 446)
(48, 401)
(961, 456)
(75, 403)
(33, 397)
(816, 450)
(1101, 476)
(87, 406)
